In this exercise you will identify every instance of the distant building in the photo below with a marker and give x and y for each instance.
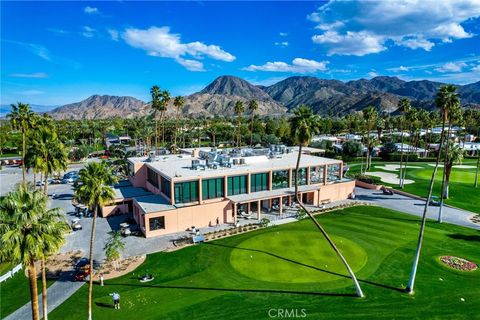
(112, 139)
(172, 193)
(406, 148)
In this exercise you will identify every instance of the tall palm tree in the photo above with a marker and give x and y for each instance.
(454, 115)
(252, 107)
(412, 119)
(446, 99)
(370, 115)
(239, 110)
(22, 118)
(304, 125)
(160, 100)
(53, 237)
(403, 107)
(93, 190)
(178, 102)
(27, 231)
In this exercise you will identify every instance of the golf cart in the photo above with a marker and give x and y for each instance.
(75, 225)
(434, 201)
(82, 270)
(387, 191)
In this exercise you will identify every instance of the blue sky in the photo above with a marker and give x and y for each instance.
(60, 52)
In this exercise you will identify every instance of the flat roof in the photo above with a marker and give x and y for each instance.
(127, 192)
(178, 167)
(154, 203)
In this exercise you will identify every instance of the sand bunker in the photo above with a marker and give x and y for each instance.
(458, 166)
(394, 167)
(391, 178)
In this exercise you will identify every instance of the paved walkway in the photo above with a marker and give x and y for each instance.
(57, 293)
(415, 207)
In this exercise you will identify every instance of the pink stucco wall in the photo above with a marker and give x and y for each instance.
(108, 210)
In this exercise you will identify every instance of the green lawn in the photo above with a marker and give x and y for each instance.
(15, 292)
(290, 266)
(462, 193)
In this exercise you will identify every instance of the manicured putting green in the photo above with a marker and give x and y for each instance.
(294, 257)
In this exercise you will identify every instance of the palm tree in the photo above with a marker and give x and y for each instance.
(446, 100)
(403, 108)
(160, 100)
(178, 102)
(51, 155)
(113, 247)
(93, 190)
(27, 231)
(53, 238)
(412, 118)
(22, 117)
(252, 107)
(370, 115)
(454, 115)
(239, 110)
(304, 125)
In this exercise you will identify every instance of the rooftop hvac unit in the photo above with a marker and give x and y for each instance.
(241, 161)
(195, 163)
(235, 161)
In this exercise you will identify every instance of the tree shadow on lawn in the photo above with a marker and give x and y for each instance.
(308, 266)
(459, 236)
(235, 290)
(105, 305)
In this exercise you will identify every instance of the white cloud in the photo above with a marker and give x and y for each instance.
(192, 65)
(451, 67)
(58, 31)
(283, 34)
(359, 28)
(298, 65)
(372, 74)
(416, 43)
(29, 75)
(352, 43)
(476, 68)
(91, 10)
(88, 32)
(113, 34)
(282, 44)
(399, 69)
(159, 42)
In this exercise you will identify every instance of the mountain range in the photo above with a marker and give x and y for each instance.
(326, 97)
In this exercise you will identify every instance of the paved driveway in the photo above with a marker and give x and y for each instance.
(415, 207)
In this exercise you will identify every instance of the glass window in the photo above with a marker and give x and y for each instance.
(131, 169)
(157, 223)
(302, 176)
(258, 182)
(186, 192)
(333, 172)
(166, 187)
(280, 179)
(212, 188)
(316, 174)
(152, 177)
(237, 185)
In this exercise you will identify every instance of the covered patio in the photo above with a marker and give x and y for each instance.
(272, 204)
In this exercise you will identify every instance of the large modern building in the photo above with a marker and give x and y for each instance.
(201, 187)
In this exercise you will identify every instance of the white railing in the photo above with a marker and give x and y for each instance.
(10, 273)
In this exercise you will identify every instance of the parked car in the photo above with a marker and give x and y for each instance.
(70, 179)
